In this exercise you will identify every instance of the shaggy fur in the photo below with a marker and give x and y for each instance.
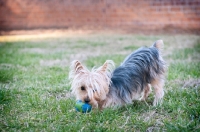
(132, 80)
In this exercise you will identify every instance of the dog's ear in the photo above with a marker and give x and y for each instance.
(159, 44)
(107, 66)
(76, 67)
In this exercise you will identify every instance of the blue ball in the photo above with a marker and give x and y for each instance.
(83, 107)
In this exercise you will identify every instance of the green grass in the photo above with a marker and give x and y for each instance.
(35, 91)
(99, 60)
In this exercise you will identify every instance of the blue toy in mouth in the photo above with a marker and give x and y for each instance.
(82, 107)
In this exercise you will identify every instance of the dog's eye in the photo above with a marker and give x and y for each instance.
(82, 88)
(94, 90)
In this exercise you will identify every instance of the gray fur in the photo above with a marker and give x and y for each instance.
(138, 69)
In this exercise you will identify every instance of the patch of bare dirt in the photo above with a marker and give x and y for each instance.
(42, 50)
(153, 129)
(59, 62)
(153, 115)
(35, 50)
(66, 95)
(59, 96)
(195, 83)
(191, 83)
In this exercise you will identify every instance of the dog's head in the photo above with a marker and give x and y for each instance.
(90, 86)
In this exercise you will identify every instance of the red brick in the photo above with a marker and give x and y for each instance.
(24, 14)
(176, 8)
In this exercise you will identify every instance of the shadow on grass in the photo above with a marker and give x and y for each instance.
(6, 69)
(7, 72)
(138, 106)
(5, 97)
(6, 75)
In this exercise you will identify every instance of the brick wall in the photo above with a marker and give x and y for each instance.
(130, 14)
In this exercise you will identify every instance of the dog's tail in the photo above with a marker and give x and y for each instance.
(158, 44)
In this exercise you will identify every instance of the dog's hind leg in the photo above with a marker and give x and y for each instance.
(146, 93)
(158, 85)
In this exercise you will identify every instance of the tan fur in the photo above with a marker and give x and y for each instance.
(96, 82)
(158, 90)
(147, 91)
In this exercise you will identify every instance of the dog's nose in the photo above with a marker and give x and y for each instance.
(87, 100)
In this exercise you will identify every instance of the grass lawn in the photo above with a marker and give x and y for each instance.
(35, 91)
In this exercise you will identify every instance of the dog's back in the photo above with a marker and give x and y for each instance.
(137, 71)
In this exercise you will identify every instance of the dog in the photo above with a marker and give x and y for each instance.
(108, 87)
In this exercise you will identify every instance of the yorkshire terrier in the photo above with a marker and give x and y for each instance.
(132, 80)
